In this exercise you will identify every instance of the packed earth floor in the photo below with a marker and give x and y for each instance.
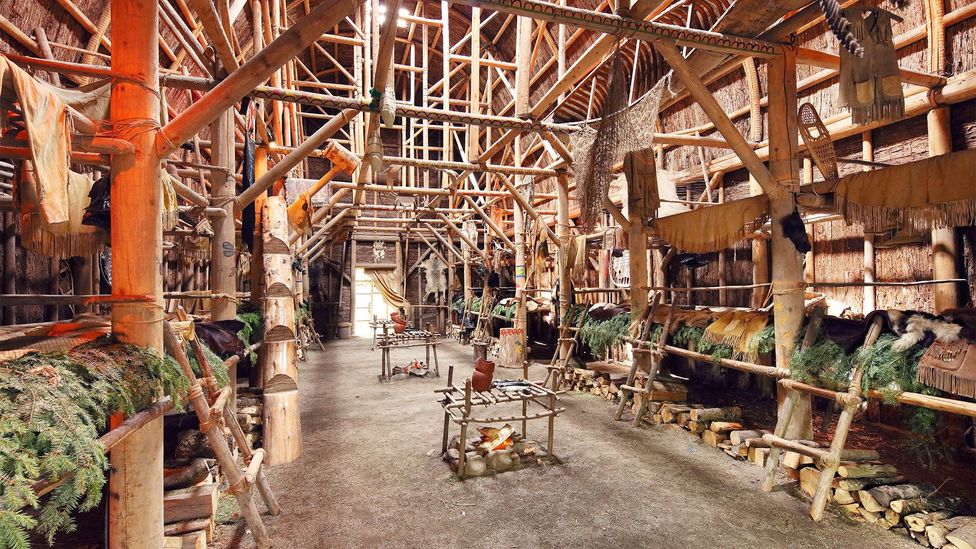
(371, 475)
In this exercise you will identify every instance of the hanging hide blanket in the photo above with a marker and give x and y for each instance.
(48, 137)
(934, 192)
(950, 367)
(715, 227)
(737, 330)
(870, 86)
(70, 238)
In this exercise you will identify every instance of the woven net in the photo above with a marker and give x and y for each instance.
(621, 129)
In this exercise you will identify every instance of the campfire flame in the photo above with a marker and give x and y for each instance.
(496, 439)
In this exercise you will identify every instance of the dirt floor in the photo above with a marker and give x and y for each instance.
(371, 476)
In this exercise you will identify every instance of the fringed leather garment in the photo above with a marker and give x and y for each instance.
(870, 86)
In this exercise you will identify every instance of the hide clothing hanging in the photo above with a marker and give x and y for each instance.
(870, 86)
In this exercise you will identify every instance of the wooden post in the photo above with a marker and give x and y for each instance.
(257, 263)
(282, 417)
(641, 173)
(760, 258)
(565, 283)
(223, 243)
(9, 263)
(870, 292)
(944, 253)
(787, 270)
(523, 58)
(135, 510)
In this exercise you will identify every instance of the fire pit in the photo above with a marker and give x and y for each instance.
(495, 450)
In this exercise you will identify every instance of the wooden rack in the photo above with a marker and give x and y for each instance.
(412, 338)
(458, 405)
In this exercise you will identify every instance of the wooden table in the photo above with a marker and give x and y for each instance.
(407, 339)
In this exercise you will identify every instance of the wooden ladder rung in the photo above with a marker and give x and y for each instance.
(797, 447)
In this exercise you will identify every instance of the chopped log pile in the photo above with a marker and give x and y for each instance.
(605, 379)
(865, 489)
(250, 414)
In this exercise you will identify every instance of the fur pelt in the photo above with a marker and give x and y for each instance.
(911, 327)
(796, 231)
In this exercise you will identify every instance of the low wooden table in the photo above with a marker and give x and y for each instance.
(458, 403)
(410, 338)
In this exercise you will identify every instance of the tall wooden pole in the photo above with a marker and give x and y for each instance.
(223, 243)
(870, 292)
(787, 271)
(9, 263)
(523, 59)
(257, 264)
(760, 258)
(944, 250)
(565, 283)
(136, 483)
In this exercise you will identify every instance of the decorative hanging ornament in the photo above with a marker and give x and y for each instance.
(388, 107)
(374, 152)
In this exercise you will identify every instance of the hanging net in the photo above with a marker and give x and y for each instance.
(621, 129)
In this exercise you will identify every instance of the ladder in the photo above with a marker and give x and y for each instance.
(657, 355)
(850, 400)
(213, 413)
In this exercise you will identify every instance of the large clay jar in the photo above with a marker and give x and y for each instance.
(398, 327)
(481, 378)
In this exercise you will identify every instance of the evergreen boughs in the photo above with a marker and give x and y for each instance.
(52, 409)
(600, 336)
(765, 341)
(253, 320)
(688, 336)
(824, 363)
(505, 311)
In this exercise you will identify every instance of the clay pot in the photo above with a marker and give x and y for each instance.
(398, 328)
(481, 378)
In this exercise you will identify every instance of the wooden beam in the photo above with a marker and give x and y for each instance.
(253, 72)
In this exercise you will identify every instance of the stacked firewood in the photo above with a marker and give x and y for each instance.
(873, 492)
(604, 379)
(250, 414)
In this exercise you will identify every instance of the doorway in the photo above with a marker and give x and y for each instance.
(369, 303)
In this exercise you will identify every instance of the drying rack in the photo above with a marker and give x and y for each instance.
(379, 327)
(412, 338)
(458, 404)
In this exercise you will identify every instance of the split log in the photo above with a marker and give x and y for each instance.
(964, 537)
(886, 494)
(892, 516)
(855, 454)
(844, 497)
(861, 483)
(740, 436)
(758, 455)
(853, 512)
(191, 444)
(867, 470)
(810, 480)
(713, 439)
(870, 517)
(197, 502)
(921, 505)
(187, 526)
(670, 411)
(733, 413)
(682, 418)
(918, 521)
(869, 503)
(724, 427)
(697, 427)
(184, 477)
(920, 538)
(195, 540)
(937, 533)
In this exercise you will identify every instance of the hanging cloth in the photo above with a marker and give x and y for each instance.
(387, 282)
(171, 207)
(713, 228)
(934, 192)
(70, 238)
(950, 367)
(870, 86)
(48, 137)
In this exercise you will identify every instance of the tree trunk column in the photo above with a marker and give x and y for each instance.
(223, 243)
(136, 483)
(787, 271)
(944, 254)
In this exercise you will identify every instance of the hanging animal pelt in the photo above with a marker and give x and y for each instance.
(434, 276)
(840, 26)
